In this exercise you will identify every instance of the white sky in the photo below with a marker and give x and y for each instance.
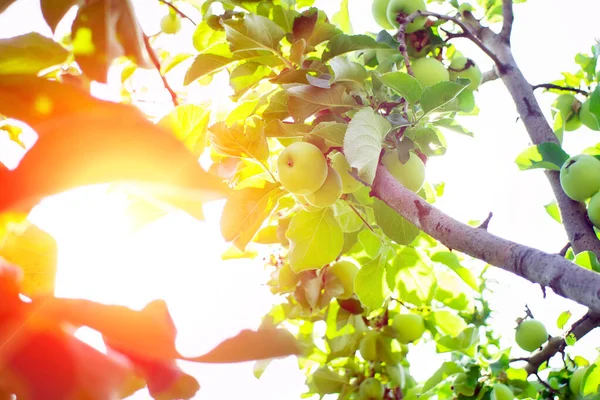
(178, 259)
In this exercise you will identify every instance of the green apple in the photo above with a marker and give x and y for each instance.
(368, 346)
(170, 23)
(587, 118)
(411, 174)
(379, 10)
(341, 165)
(344, 271)
(429, 71)
(302, 168)
(566, 105)
(576, 380)
(407, 7)
(580, 177)
(326, 381)
(409, 327)
(371, 389)
(593, 210)
(463, 67)
(501, 392)
(329, 192)
(531, 334)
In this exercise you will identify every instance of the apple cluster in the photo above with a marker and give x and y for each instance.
(305, 172)
(573, 113)
(427, 70)
(580, 180)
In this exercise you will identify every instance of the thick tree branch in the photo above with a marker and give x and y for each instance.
(509, 17)
(558, 344)
(551, 270)
(557, 87)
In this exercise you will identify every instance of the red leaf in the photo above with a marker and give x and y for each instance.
(252, 345)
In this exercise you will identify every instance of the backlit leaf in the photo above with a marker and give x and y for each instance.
(253, 33)
(29, 54)
(451, 261)
(406, 85)
(439, 94)
(546, 155)
(393, 225)
(189, 124)
(342, 44)
(369, 284)
(54, 10)
(306, 100)
(245, 140)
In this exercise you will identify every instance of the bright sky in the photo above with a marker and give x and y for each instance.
(178, 258)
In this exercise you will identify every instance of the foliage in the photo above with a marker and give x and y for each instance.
(295, 75)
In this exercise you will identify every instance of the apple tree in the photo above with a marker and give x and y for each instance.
(321, 159)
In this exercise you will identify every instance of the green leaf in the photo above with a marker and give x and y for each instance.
(447, 369)
(439, 94)
(553, 211)
(452, 125)
(591, 380)
(29, 54)
(415, 279)
(253, 33)
(306, 100)
(245, 76)
(393, 224)
(451, 261)
(406, 85)
(348, 71)
(205, 64)
(463, 342)
(245, 140)
(447, 322)
(245, 211)
(54, 10)
(570, 339)
(546, 155)
(363, 142)
(332, 132)
(563, 318)
(346, 217)
(279, 129)
(369, 284)
(316, 239)
(587, 260)
(370, 242)
(204, 36)
(189, 124)
(342, 44)
(342, 17)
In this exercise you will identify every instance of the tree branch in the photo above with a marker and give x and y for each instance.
(488, 76)
(156, 63)
(178, 11)
(509, 17)
(557, 87)
(564, 277)
(557, 344)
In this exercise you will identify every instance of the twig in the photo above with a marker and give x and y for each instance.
(509, 17)
(178, 11)
(486, 222)
(557, 344)
(360, 216)
(401, 37)
(156, 63)
(558, 87)
(488, 76)
(563, 251)
(546, 385)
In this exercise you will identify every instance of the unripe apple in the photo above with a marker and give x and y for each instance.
(501, 392)
(302, 168)
(329, 192)
(429, 71)
(576, 380)
(368, 346)
(531, 334)
(379, 10)
(170, 23)
(587, 118)
(565, 104)
(407, 7)
(593, 210)
(409, 327)
(371, 389)
(411, 174)
(580, 177)
(463, 67)
(345, 271)
(341, 165)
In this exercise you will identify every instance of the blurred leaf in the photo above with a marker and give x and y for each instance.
(415, 280)
(342, 44)
(316, 239)
(447, 322)
(306, 100)
(4, 4)
(346, 217)
(342, 17)
(546, 155)
(369, 283)
(447, 369)
(29, 54)
(439, 94)
(406, 85)
(245, 211)
(189, 123)
(563, 318)
(553, 211)
(54, 10)
(587, 260)
(393, 225)
(451, 261)
(363, 142)
(204, 36)
(14, 133)
(463, 342)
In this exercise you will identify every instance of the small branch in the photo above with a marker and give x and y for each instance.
(557, 87)
(509, 17)
(557, 344)
(178, 11)
(156, 63)
(484, 224)
(488, 76)
(545, 384)
(401, 37)
(360, 216)
(563, 251)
